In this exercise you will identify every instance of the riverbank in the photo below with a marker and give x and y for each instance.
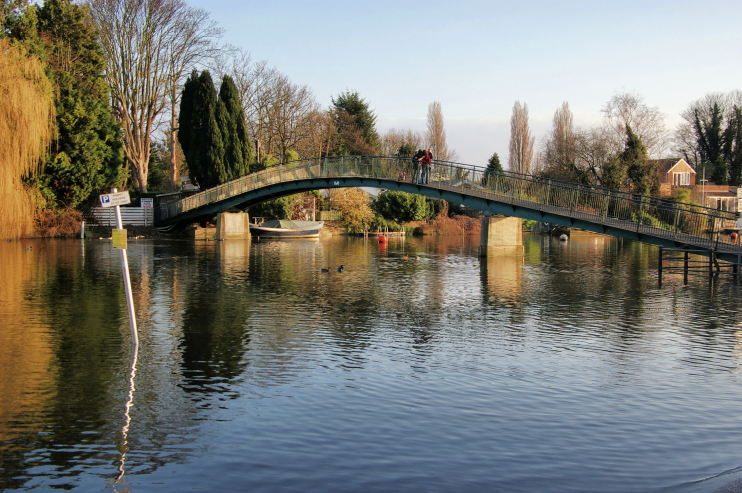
(457, 226)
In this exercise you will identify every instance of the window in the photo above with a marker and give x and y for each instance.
(681, 178)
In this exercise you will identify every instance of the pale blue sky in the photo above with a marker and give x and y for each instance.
(477, 58)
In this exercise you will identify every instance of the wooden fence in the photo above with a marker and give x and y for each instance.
(132, 216)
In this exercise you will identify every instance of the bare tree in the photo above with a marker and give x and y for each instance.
(321, 133)
(647, 122)
(436, 135)
(294, 106)
(521, 141)
(685, 144)
(593, 151)
(144, 41)
(558, 148)
(195, 44)
(394, 139)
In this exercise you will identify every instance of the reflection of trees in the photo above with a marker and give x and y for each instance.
(215, 308)
(226, 319)
(60, 294)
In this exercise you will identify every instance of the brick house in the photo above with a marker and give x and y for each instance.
(674, 173)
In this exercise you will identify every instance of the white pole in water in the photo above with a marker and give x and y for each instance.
(127, 281)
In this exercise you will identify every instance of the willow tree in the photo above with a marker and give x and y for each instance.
(26, 130)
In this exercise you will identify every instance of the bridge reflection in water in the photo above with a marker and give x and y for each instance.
(502, 277)
(648, 219)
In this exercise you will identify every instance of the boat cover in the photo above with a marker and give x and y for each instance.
(289, 224)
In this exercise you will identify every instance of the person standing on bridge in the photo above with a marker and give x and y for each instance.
(416, 166)
(426, 159)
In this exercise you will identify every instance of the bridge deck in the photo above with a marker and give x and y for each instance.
(650, 219)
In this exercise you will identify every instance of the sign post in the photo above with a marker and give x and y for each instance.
(146, 204)
(115, 199)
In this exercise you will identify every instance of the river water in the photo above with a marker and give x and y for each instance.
(566, 370)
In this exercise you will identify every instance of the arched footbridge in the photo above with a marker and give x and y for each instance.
(647, 219)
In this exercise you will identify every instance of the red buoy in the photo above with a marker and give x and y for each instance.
(382, 239)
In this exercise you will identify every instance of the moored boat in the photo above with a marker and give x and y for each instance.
(286, 228)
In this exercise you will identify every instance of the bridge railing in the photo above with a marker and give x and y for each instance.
(689, 223)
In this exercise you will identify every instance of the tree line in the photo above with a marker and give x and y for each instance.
(136, 57)
(144, 92)
(620, 152)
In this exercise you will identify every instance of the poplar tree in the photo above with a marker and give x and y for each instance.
(520, 159)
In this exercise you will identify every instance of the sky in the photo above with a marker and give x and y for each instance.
(478, 57)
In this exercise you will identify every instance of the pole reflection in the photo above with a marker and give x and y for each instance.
(127, 415)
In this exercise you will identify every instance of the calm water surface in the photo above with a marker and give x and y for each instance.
(565, 370)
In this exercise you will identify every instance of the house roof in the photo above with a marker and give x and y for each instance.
(720, 195)
(666, 165)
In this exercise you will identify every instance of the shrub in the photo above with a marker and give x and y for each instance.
(402, 206)
(64, 222)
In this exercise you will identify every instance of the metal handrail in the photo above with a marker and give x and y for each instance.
(688, 223)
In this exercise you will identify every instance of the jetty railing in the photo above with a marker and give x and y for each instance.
(686, 223)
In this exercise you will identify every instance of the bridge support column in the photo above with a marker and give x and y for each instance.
(232, 225)
(501, 236)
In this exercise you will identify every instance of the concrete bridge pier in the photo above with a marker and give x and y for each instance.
(501, 236)
(232, 226)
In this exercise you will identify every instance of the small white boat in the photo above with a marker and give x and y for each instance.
(285, 228)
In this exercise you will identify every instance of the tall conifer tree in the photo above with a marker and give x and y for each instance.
(238, 152)
(200, 136)
(213, 132)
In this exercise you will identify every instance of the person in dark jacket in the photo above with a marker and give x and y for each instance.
(416, 166)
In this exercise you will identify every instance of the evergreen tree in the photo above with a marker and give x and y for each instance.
(238, 152)
(213, 133)
(493, 166)
(733, 146)
(639, 169)
(87, 156)
(613, 173)
(356, 125)
(189, 125)
(12, 18)
(200, 135)
(709, 135)
(406, 150)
